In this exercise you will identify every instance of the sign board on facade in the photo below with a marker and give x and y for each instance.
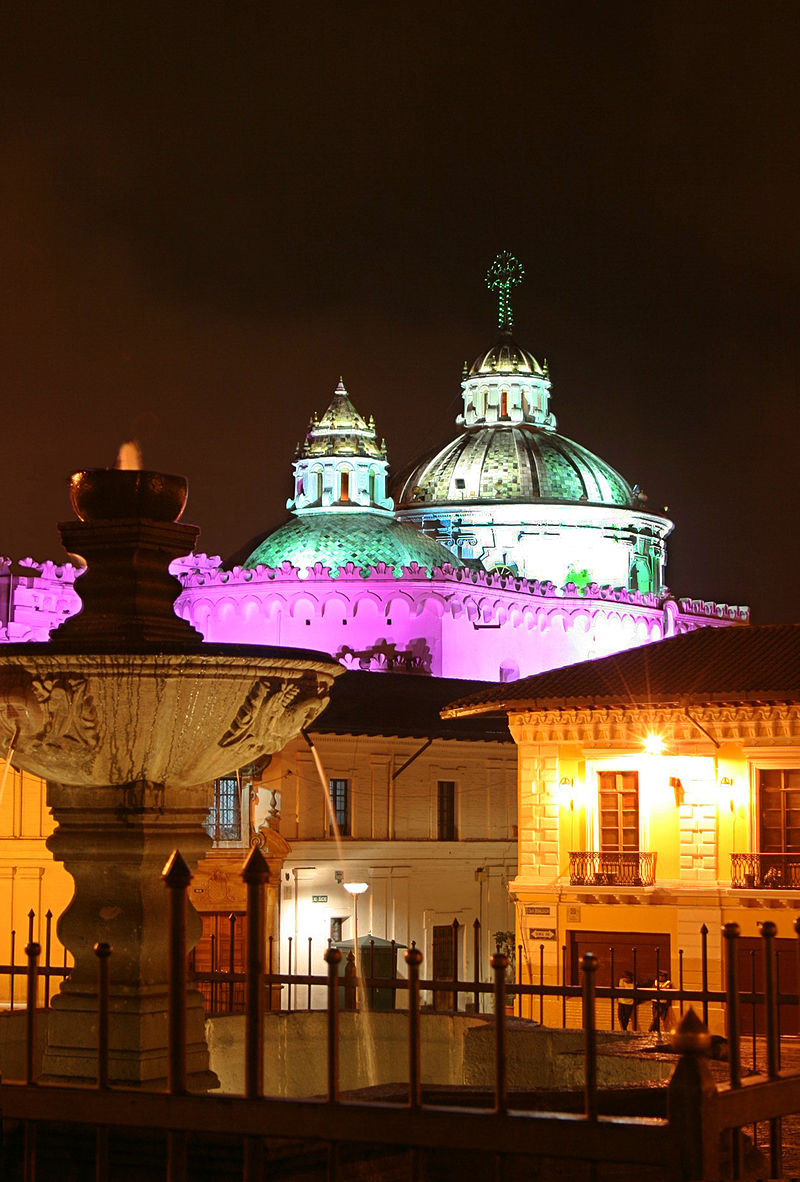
(573, 915)
(319, 898)
(537, 910)
(542, 933)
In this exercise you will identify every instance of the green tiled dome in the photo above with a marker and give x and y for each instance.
(519, 462)
(348, 535)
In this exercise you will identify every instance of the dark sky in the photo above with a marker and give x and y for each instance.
(208, 212)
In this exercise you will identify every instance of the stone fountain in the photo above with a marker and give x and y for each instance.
(129, 718)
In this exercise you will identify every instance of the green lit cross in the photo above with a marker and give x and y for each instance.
(505, 272)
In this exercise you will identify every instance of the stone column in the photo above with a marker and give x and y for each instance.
(114, 841)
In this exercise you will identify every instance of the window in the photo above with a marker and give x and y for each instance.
(619, 812)
(446, 828)
(340, 806)
(337, 923)
(779, 810)
(224, 821)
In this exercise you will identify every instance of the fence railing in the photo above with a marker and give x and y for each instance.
(686, 1145)
(15, 971)
(774, 871)
(598, 868)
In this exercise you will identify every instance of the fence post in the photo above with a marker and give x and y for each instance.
(102, 951)
(589, 966)
(48, 919)
(255, 875)
(231, 958)
(691, 1102)
(350, 982)
(413, 959)
(476, 962)
(499, 962)
(455, 965)
(704, 970)
(332, 958)
(32, 951)
(768, 932)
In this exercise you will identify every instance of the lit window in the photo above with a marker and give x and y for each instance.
(779, 811)
(340, 806)
(446, 811)
(224, 821)
(619, 812)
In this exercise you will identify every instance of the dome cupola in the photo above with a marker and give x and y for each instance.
(340, 461)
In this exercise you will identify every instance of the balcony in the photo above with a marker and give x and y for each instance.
(773, 871)
(631, 868)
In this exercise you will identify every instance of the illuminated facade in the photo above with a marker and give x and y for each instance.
(658, 792)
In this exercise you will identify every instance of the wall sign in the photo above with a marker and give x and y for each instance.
(542, 933)
(319, 898)
(537, 910)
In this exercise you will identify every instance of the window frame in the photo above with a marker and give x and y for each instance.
(343, 814)
(447, 813)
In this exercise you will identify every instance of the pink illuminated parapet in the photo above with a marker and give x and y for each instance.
(447, 623)
(35, 597)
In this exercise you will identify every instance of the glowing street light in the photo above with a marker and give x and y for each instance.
(654, 744)
(355, 889)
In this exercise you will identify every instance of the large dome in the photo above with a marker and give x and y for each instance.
(519, 462)
(363, 538)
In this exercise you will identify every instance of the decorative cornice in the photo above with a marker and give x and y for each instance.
(624, 728)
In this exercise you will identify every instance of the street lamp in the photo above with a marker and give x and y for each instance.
(355, 889)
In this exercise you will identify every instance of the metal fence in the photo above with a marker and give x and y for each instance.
(15, 972)
(703, 1118)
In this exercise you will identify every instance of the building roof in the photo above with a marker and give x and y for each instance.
(506, 357)
(341, 431)
(505, 462)
(404, 705)
(708, 666)
(335, 537)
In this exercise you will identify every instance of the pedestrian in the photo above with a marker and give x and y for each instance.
(625, 1000)
(661, 1004)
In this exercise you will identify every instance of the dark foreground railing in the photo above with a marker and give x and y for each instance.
(597, 868)
(702, 1118)
(774, 871)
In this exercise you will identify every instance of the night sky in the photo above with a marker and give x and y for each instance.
(209, 212)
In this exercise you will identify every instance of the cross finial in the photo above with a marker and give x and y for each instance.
(505, 272)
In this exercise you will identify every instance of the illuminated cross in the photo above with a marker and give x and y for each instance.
(505, 272)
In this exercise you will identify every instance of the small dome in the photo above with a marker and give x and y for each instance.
(363, 538)
(511, 463)
(506, 357)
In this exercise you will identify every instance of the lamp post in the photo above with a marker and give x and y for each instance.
(355, 889)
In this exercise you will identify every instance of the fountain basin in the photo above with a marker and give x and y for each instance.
(111, 494)
(180, 718)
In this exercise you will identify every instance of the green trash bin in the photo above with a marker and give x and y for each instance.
(377, 958)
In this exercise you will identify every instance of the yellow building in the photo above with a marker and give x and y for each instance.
(658, 793)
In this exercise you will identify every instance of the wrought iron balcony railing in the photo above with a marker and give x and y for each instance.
(775, 871)
(596, 868)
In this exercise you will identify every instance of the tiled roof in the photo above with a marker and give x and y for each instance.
(735, 664)
(404, 705)
(512, 462)
(349, 534)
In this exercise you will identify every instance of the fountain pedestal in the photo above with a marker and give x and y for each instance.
(130, 718)
(114, 841)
